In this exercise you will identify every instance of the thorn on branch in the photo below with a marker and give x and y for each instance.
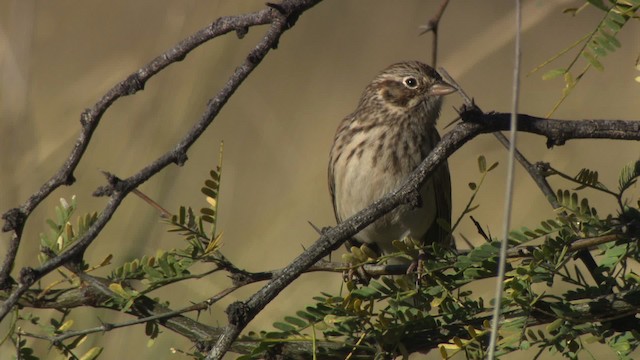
(543, 168)
(181, 158)
(240, 278)
(85, 117)
(242, 32)
(277, 7)
(290, 16)
(237, 313)
(103, 191)
(27, 275)
(115, 184)
(69, 180)
(553, 141)
(320, 231)
(471, 113)
(431, 26)
(480, 229)
(13, 220)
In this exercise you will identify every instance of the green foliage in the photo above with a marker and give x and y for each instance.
(149, 273)
(62, 234)
(475, 187)
(543, 304)
(594, 46)
(200, 232)
(628, 176)
(544, 290)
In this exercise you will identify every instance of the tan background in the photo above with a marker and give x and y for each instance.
(59, 57)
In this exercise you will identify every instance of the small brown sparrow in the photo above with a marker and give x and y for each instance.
(378, 145)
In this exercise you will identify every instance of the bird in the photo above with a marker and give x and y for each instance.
(378, 145)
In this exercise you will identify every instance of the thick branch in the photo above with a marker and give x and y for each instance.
(556, 131)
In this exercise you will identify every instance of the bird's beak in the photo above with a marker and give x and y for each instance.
(440, 88)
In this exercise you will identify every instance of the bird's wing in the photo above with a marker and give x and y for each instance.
(442, 186)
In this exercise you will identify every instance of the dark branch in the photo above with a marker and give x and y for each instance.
(280, 22)
(15, 218)
(558, 132)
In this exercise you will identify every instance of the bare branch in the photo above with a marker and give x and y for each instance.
(432, 25)
(15, 218)
(282, 16)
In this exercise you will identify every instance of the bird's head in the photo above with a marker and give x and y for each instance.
(407, 87)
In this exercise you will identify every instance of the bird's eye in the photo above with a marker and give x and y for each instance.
(410, 82)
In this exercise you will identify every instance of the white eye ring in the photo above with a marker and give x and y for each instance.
(410, 82)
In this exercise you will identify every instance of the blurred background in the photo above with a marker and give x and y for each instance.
(59, 57)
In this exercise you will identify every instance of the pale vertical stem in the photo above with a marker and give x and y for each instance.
(509, 191)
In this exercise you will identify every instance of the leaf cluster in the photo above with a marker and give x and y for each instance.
(544, 291)
(593, 46)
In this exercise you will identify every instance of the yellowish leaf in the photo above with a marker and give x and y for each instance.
(66, 325)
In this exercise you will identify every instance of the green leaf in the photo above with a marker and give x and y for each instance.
(208, 219)
(604, 42)
(164, 265)
(284, 327)
(208, 211)
(569, 80)
(614, 26)
(597, 49)
(365, 292)
(214, 175)
(555, 325)
(92, 354)
(295, 321)
(599, 4)
(515, 235)
(628, 176)
(380, 288)
(309, 317)
(212, 184)
(571, 11)
(482, 163)
(593, 60)
(552, 74)
(611, 39)
(209, 192)
(618, 18)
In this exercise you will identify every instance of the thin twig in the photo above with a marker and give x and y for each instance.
(164, 213)
(432, 25)
(110, 326)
